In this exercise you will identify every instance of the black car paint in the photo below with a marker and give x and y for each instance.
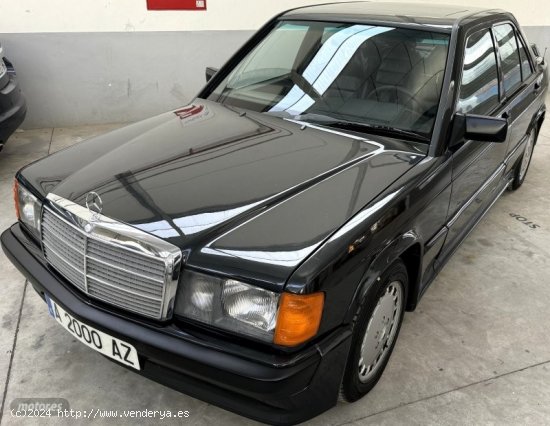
(406, 200)
(276, 388)
(269, 173)
(13, 107)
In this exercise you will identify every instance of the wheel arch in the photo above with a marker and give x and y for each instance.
(412, 258)
(409, 249)
(537, 120)
(540, 120)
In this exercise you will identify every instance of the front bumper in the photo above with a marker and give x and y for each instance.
(272, 388)
(13, 107)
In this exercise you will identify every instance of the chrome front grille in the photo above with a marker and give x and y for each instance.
(110, 261)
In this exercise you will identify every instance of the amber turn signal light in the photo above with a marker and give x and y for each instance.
(299, 318)
(16, 198)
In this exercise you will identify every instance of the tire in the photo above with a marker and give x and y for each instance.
(522, 166)
(374, 317)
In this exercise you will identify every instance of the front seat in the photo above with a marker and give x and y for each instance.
(398, 60)
(424, 84)
(379, 97)
(356, 75)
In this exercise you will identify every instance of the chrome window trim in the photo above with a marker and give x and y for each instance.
(126, 237)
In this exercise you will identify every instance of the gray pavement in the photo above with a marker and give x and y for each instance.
(476, 350)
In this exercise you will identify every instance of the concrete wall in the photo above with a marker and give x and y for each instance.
(24, 16)
(87, 78)
(82, 61)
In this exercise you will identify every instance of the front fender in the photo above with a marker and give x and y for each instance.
(395, 249)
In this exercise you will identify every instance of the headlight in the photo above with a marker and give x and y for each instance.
(27, 208)
(3, 68)
(228, 304)
(286, 320)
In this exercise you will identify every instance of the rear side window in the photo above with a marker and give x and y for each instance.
(526, 69)
(509, 56)
(479, 86)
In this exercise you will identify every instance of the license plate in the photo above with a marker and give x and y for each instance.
(109, 346)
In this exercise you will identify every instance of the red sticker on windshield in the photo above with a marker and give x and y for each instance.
(176, 4)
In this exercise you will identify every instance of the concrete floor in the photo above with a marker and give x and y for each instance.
(476, 351)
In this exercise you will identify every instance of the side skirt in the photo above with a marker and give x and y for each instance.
(440, 263)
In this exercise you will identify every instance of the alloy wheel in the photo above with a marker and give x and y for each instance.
(381, 331)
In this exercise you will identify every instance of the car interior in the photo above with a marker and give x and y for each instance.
(380, 76)
(391, 79)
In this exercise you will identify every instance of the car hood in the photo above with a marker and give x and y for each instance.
(245, 194)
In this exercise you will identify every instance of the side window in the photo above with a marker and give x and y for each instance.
(479, 85)
(526, 69)
(509, 56)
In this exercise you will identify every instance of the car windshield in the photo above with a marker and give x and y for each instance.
(362, 77)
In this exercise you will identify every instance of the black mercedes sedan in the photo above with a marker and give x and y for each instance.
(258, 248)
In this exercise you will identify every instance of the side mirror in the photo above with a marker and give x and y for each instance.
(539, 59)
(478, 128)
(210, 73)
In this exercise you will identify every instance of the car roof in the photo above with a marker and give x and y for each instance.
(437, 15)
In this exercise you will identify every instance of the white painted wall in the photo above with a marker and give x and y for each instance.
(37, 16)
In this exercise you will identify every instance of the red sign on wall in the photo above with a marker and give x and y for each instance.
(176, 4)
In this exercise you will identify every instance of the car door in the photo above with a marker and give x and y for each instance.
(520, 84)
(477, 166)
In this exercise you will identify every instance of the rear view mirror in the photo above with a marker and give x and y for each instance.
(479, 128)
(539, 59)
(210, 73)
(486, 129)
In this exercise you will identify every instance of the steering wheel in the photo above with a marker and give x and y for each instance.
(418, 107)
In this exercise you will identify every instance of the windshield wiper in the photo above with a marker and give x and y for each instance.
(361, 127)
(374, 128)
